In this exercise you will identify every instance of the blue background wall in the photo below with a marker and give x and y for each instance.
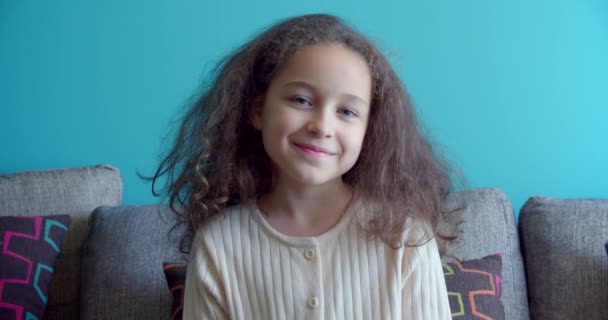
(515, 92)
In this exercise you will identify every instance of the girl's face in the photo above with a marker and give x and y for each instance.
(315, 113)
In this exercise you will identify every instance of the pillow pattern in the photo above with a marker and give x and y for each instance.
(28, 249)
(175, 274)
(474, 288)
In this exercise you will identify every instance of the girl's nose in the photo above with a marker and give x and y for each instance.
(321, 125)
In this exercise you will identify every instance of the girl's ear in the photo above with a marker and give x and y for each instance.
(256, 113)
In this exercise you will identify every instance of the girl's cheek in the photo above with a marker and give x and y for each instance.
(284, 123)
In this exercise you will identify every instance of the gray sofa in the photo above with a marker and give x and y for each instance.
(110, 267)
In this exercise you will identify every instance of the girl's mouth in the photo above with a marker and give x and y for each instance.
(312, 150)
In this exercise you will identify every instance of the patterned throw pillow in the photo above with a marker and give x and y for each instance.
(29, 247)
(175, 273)
(474, 288)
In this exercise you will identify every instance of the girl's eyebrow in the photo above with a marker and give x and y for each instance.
(312, 88)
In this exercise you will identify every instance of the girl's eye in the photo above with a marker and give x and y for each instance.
(301, 100)
(347, 112)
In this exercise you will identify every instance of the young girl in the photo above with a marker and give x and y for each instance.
(306, 186)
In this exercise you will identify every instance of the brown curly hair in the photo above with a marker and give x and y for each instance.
(216, 162)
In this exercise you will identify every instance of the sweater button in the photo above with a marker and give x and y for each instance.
(313, 302)
(309, 254)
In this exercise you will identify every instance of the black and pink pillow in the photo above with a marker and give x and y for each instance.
(474, 288)
(175, 274)
(28, 249)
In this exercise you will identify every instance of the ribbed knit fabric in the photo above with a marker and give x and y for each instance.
(242, 268)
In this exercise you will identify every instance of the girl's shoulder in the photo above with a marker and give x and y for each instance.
(416, 232)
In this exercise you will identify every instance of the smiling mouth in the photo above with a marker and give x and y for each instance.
(314, 151)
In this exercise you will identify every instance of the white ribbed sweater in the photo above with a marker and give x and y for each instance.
(242, 268)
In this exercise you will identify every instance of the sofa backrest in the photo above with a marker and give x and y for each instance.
(74, 191)
(489, 227)
(122, 264)
(126, 246)
(566, 264)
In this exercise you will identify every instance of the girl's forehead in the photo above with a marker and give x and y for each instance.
(314, 55)
(327, 67)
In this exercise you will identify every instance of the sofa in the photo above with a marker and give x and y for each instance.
(110, 266)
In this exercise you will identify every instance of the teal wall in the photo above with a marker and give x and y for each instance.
(515, 92)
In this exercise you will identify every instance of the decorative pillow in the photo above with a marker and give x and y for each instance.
(29, 247)
(175, 273)
(474, 288)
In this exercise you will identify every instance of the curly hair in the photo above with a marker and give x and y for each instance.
(216, 162)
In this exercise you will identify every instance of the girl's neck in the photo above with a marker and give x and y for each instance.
(306, 210)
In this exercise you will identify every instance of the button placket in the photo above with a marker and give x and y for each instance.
(312, 289)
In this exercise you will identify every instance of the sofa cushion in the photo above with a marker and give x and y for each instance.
(489, 227)
(474, 288)
(76, 192)
(122, 262)
(30, 246)
(565, 262)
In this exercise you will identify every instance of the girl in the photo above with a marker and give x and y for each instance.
(306, 186)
